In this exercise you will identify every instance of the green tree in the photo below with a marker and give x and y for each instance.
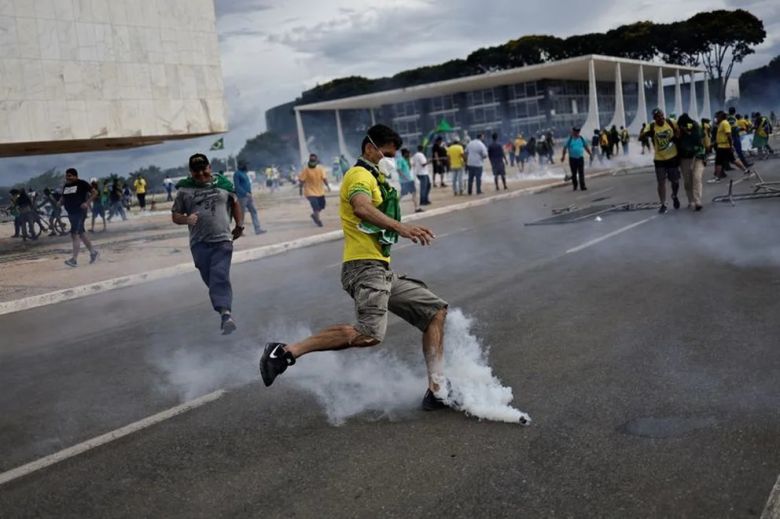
(267, 149)
(728, 37)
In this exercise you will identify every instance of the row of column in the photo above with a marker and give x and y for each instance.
(592, 121)
(619, 118)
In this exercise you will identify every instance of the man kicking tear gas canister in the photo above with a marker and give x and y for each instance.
(370, 217)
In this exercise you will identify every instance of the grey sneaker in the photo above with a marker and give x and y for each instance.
(71, 262)
(93, 256)
(227, 325)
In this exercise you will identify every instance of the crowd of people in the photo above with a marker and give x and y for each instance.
(681, 147)
(36, 211)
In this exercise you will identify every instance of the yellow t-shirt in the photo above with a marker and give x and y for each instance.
(663, 140)
(743, 125)
(519, 145)
(313, 181)
(722, 138)
(357, 244)
(455, 154)
(140, 186)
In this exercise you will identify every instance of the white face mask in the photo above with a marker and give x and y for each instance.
(387, 167)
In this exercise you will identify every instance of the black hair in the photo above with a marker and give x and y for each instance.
(14, 191)
(404, 151)
(684, 120)
(732, 110)
(198, 162)
(420, 147)
(381, 135)
(72, 171)
(495, 136)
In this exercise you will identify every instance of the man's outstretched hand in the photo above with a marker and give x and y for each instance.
(417, 233)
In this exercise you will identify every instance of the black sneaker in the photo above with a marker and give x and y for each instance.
(228, 325)
(698, 208)
(71, 262)
(274, 361)
(662, 209)
(93, 256)
(431, 402)
(676, 202)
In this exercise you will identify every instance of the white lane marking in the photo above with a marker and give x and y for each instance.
(772, 508)
(609, 235)
(82, 447)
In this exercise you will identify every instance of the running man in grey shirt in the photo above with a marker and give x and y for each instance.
(206, 203)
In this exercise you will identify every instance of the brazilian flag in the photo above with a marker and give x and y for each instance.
(218, 145)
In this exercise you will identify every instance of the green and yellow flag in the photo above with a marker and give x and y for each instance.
(218, 145)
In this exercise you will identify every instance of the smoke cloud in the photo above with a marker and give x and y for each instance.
(373, 383)
(377, 382)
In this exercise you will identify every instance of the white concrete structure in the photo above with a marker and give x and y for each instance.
(591, 68)
(84, 75)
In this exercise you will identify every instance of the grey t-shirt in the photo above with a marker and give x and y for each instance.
(213, 207)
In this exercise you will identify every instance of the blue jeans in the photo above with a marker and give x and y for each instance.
(425, 189)
(248, 204)
(213, 262)
(457, 181)
(475, 173)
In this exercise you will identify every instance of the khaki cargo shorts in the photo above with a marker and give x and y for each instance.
(376, 289)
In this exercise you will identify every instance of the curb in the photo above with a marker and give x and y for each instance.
(68, 294)
(772, 509)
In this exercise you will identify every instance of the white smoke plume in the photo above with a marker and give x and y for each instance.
(378, 382)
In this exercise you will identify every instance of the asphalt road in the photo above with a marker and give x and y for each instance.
(649, 362)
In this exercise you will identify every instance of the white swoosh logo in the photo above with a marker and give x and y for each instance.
(273, 353)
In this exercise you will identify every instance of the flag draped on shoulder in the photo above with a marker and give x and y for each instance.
(218, 145)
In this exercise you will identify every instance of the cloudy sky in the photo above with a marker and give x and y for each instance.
(274, 49)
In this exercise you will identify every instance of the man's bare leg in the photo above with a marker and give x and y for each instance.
(742, 166)
(76, 242)
(337, 337)
(662, 192)
(433, 349)
(87, 244)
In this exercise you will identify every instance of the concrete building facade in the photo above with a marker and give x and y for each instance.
(587, 91)
(87, 75)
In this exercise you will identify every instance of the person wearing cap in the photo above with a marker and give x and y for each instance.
(205, 203)
(664, 134)
(244, 193)
(576, 146)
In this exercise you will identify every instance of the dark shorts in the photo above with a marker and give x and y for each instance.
(723, 156)
(408, 188)
(667, 169)
(498, 168)
(76, 220)
(98, 210)
(376, 289)
(317, 203)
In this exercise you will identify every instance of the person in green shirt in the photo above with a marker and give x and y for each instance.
(692, 159)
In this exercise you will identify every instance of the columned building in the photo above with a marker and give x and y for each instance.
(588, 91)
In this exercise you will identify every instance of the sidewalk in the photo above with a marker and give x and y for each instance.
(148, 242)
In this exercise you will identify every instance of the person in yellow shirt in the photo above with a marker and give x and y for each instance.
(664, 134)
(724, 149)
(312, 182)
(521, 154)
(140, 191)
(457, 159)
(370, 218)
